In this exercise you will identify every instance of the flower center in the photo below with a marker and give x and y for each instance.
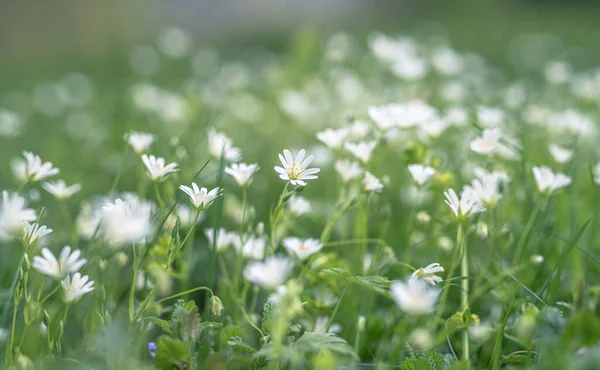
(295, 172)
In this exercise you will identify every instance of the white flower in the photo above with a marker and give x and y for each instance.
(127, 221)
(497, 176)
(187, 216)
(372, 183)
(242, 173)
(414, 297)
(271, 273)
(88, 220)
(490, 117)
(417, 112)
(296, 170)
(597, 174)
(386, 116)
(139, 141)
(224, 238)
(13, 215)
(302, 248)
(60, 190)
(480, 332)
(219, 145)
(67, 262)
(33, 232)
(428, 274)
(467, 205)
(32, 169)
(561, 155)
(201, 198)
(362, 150)
(75, 287)
(420, 173)
(253, 247)
(157, 170)
(4, 334)
(548, 182)
(333, 138)
(487, 143)
(486, 191)
(321, 325)
(299, 205)
(348, 170)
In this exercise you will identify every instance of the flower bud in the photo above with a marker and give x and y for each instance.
(536, 259)
(482, 230)
(423, 217)
(216, 306)
(26, 264)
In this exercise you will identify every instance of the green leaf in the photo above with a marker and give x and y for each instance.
(238, 343)
(315, 342)
(582, 330)
(461, 365)
(164, 324)
(415, 364)
(172, 354)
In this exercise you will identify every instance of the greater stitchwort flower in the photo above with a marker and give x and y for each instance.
(32, 168)
(67, 262)
(333, 138)
(157, 169)
(139, 141)
(428, 274)
(13, 215)
(33, 232)
(60, 190)
(414, 297)
(362, 150)
(487, 143)
(271, 273)
(372, 183)
(219, 145)
(302, 248)
(548, 182)
(76, 286)
(465, 206)
(348, 170)
(127, 220)
(242, 173)
(201, 198)
(295, 170)
(421, 174)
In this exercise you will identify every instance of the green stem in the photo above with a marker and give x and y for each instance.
(159, 199)
(120, 170)
(133, 282)
(49, 295)
(184, 293)
(464, 295)
(275, 216)
(185, 270)
(22, 186)
(335, 309)
(523, 239)
(9, 349)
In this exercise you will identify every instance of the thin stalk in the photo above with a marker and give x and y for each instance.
(464, 295)
(133, 282)
(184, 293)
(275, 215)
(336, 308)
(185, 273)
(9, 349)
(523, 239)
(159, 199)
(120, 170)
